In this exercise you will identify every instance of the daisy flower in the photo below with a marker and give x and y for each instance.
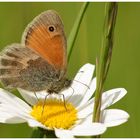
(69, 118)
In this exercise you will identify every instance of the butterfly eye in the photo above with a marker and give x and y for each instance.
(51, 28)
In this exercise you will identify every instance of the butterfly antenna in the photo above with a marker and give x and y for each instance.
(82, 83)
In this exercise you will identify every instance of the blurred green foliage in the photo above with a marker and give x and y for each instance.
(125, 66)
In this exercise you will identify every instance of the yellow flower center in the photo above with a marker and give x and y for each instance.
(54, 113)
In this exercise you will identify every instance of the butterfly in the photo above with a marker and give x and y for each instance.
(40, 61)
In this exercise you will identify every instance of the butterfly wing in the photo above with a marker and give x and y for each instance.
(40, 58)
(13, 59)
(45, 35)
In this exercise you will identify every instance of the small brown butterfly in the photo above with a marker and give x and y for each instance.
(39, 62)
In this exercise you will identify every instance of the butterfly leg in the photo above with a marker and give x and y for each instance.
(44, 104)
(64, 101)
(36, 96)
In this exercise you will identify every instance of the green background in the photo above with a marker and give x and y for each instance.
(125, 67)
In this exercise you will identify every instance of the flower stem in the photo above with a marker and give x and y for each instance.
(37, 133)
(102, 65)
(41, 133)
(75, 29)
(50, 134)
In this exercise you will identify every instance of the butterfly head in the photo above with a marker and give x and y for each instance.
(57, 86)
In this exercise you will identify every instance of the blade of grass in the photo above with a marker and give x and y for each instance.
(105, 55)
(75, 29)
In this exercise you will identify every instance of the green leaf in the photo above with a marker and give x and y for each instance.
(75, 29)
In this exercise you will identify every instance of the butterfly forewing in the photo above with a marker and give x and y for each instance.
(45, 35)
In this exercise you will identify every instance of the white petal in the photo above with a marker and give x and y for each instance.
(9, 113)
(34, 123)
(89, 92)
(86, 109)
(12, 108)
(114, 117)
(19, 117)
(90, 129)
(10, 119)
(81, 83)
(85, 73)
(108, 98)
(112, 96)
(12, 114)
(10, 99)
(30, 97)
(14, 111)
(60, 133)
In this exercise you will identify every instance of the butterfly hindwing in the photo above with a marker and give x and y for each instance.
(13, 59)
